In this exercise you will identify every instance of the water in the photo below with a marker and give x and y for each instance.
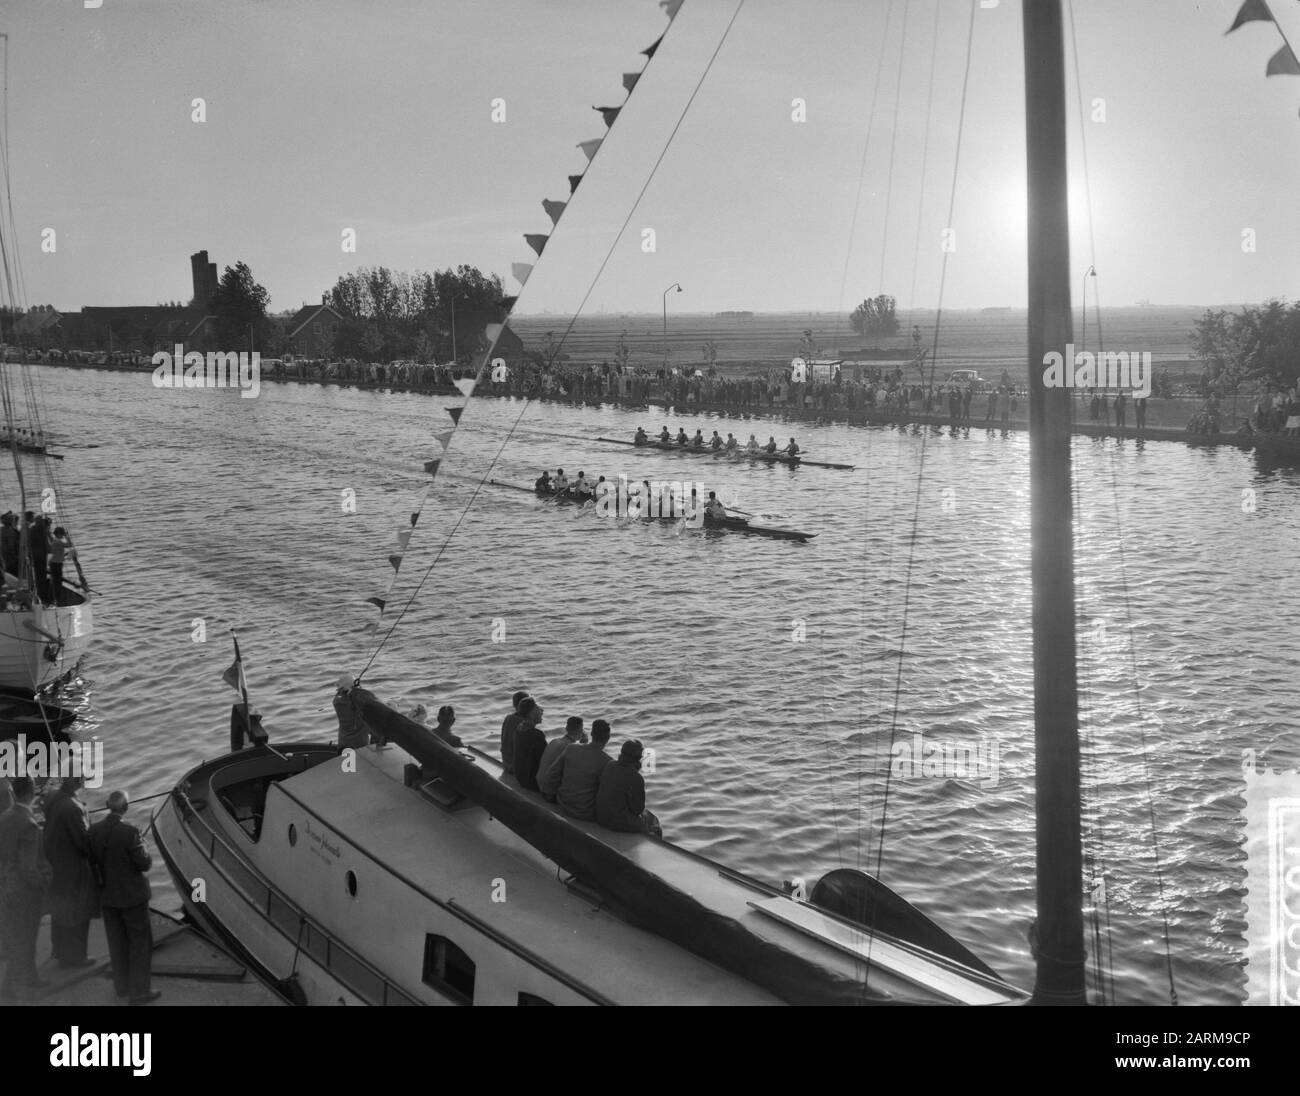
(195, 510)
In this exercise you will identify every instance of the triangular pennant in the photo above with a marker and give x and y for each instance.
(508, 303)
(377, 602)
(521, 272)
(1251, 11)
(574, 180)
(234, 677)
(403, 538)
(493, 331)
(649, 51)
(629, 80)
(415, 517)
(396, 560)
(553, 210)
(444, 440)
(431, 466)
(372, 627)
(1283, 63)
(609, 114)
(466, 384)
(671, 7)
(589, 149)
(535, 241)
(455, 413)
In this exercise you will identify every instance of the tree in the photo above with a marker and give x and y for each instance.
(1256, 344)
(875, 316)
(238, 304)
(372, 342)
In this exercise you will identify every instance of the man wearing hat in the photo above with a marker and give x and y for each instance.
(116, 846)
(620, 799)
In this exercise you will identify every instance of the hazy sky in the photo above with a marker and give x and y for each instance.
(376, 115)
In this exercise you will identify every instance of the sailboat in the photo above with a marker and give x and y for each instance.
(421, 875)
(43, 631)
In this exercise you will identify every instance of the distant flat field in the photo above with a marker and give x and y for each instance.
(985, 340)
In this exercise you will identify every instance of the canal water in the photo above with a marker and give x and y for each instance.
(769, 677)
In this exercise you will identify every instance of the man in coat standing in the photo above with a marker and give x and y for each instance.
(74, 899)
(116, 846)
(24, 878)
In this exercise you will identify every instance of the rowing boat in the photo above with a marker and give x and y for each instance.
(724, 454)
(711, 524)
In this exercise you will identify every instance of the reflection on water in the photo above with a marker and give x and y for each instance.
(767, 675)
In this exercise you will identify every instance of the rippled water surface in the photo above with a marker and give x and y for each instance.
(765, 674)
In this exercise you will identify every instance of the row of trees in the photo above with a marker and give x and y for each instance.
(1248, 349)
(421, 316)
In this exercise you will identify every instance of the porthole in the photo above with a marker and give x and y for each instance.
(293, 835)
(351, 880)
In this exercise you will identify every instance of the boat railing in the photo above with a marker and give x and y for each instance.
(292, 920)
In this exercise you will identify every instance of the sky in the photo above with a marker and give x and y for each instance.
(377, 116)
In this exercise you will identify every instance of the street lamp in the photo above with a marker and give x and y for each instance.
(453, 329)
(677, 287)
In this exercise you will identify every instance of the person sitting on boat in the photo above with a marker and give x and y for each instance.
(573, 736)
(665, 436)
(791, 450)
(543, 483)
(620, 796)
(732, 444)
(574, 778)
(715, 442)
(530, 743)
(640, 438)
(561, 482)
(581, 486)
(509, 726)
(770, 447)
(752, 446)
(446, 718)
(682, 438)
(698, 440)
(714, 508)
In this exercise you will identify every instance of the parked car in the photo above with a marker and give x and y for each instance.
(964, 377)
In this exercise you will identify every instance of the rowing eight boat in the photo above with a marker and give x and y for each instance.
(721, 525)
(734, 454)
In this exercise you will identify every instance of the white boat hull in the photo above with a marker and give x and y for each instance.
(41, 645)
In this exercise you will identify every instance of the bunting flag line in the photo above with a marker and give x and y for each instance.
(1283, 63)
(521, 273)
(1251, 11)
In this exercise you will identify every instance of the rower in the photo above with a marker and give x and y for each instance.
(581, 486)
(640, 438)
(665, 437)
(682, 439)
(714, 508)
(698, 440)
(770, 447)
(543, 483)
(645, 500)
(561, 481)
(753, 444)
(732, 444)
(791, 450)
(715, 442)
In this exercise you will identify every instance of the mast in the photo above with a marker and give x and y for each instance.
(1060, 952)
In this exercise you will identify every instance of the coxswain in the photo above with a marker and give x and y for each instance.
(732, 444)
(753, 444)
(770, 447)
(581, 486)
(791, 450)
(714, 508)
(665, 437)
(544, 483)
(698, 440)
(682, 439)
(561, 481)
(715, 442)
(640, 438)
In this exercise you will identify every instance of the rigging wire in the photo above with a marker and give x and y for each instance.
(567, 331)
